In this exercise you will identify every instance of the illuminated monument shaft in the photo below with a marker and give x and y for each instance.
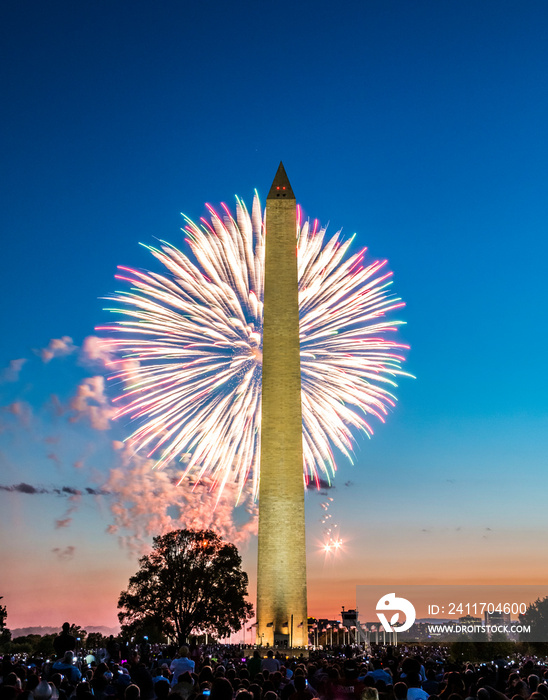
(281, 579)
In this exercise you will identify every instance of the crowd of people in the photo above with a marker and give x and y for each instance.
(145, 672)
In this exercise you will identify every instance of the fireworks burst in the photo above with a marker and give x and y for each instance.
(197, 335)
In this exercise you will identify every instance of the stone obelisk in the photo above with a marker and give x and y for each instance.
(281, 571)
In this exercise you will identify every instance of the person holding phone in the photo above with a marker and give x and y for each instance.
(181, 664)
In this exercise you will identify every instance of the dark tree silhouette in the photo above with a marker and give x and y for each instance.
(536, 616)
(5, 634)
(192, 581)
(3, 615)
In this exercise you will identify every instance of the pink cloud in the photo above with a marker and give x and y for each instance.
(91, 402)
(22, 411)
(11, 372)
(101, 354)
(56, 405)
(57, 347)
(97, 351)
(54, 458)
(147, 502)
(66, 519)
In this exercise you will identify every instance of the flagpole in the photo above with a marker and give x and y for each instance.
(291, 635)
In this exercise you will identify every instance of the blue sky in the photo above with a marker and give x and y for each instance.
(421, 126)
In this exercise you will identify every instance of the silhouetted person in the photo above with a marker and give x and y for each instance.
(400, 691)
(301, 690)
(64, 641)
(113, 649)
(254, 664)
(161, 689)
(221, 689)
(270, 664)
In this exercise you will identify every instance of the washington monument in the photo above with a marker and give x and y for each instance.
(281, 571)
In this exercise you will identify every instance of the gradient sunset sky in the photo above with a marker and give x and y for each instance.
(418, 125)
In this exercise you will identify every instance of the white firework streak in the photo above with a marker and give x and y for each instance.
(197, 334)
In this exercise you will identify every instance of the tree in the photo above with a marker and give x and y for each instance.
(3, 615)
(536, 618)
(44, 645)
(5, 634)
(95, 640)
(191, 582)
(153, 628)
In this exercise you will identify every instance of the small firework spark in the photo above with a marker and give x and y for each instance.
(196, 332)
(332, 545)
(332, 542)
